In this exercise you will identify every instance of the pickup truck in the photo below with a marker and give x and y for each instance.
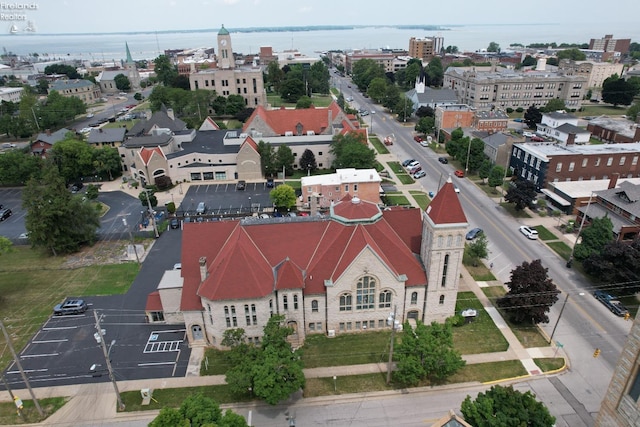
(611, 303)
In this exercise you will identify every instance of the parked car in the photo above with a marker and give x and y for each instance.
(70, 306)
(419, 174)
(408, 162)
(241, 185)
(177, 266)
(611, 303)
(531, 233)
(270, 183)
(424, 143)
(415, 170)
(455, 188)
(459, 173)
(443, 160)
(528, 134)
(417, 138)
(518, 120)
(537, 139)
(174, 223)
(5, 213)
(201, 209)
(414, 167)
(473, 233)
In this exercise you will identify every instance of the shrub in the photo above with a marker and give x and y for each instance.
(519, 110)
(509, 110)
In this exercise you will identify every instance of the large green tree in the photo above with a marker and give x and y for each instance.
(122, 82)
(284, 159)
(531, 294)
(426, 125)
(506, 407)
(267, 158)
(106, 162)
(532, 116)
(618, 262)
(364, 71)
(351, 151)
(426, 352)
(318, 78)
(56, 220)
(574, 54)
(496, 176)
(17, 167)
(618, 91)
(377, 89)
(308, 161)
(552, 105)
(165, 71)
(435, 72)
(275, 75)
(197, 411)
(283, 196)
(594, 238)
(74, 158)
(521, 193)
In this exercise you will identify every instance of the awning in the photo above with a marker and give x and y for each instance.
(556, 198)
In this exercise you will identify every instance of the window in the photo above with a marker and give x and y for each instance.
(234, 319)
(270, 307)
(346, 188)
(345, 302)
(444, 270)
(312, 326)
(571, 166)
(210, 315)
(584, 162)
(349, 326)
(365, 293)
(254, 316)
(226, 316)
(295, 302)
(358, 325)
(622, 160)
(385, 299)
(342, 326)
(441, 299)
(314, 306)
(355, 187)
(414, 298)
(381, 323)
(634, 160)
(609, 161)
(285, 302)
(598, 161)
(247, 315)
(559, 167)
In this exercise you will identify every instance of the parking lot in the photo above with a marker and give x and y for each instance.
(226, 200)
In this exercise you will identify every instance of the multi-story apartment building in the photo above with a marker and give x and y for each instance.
(328, 189)
(11, 94)
(227, 79)
(596, 72)
(543, 163)
(490, 121)
(425, 48)
(609, 44)
(489, 87)
(385, 59)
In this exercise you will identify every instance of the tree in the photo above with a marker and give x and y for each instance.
(68, 70)
(522, 193)
(16, 167)
(106, 161)
(485, 169)
(377, 88)
(5, 245)
(74, 158)
(92, 192)
(574, 54)
(197, 411)
(318, 78)
(304, 102)
(618, 91)
(532, 117)
(528, 61)
(144, 194)
(391, 97)
(493, 47)
(426, 125)
(425, 111)
(594, 238)
(496, 176)
(426, 352)
(556, 104)
(403, 108)
(274, 76)
(531, 294)
(234, 104)
(632, 112)
(364, 71)
(351, 151)
(122, 82)
(506, 407)
(284, 159)
(292, 87)
(478, 249)
(283, 196)
(267, 158)
(308, 161)
(165, 71)
(55, 220)
(617, 263)
(435, 72)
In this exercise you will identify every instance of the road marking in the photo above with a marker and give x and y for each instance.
(60, 328)
(28, 356)
(27, 371)
(162, 346)
(157, 363)
(49, 341)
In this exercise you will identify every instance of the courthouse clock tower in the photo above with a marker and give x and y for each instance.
(225, 52)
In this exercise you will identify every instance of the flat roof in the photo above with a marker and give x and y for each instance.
(544, 149)
(583, 189)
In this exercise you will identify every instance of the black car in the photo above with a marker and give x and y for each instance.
(443, 160)
(270, 183)
(406, 162)
(241, 185)
(473, 233)
(4, 214)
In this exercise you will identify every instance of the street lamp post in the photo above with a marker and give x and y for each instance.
(393, 322)
(153, 217)
(466, 168)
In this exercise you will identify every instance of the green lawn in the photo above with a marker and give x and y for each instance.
(321, 101)
(9, 416)
(421, 198)
(466, 338)
(378, 145)
(561, 249)
(49, 284)
(397, 200)
(545, 234)
(346, 349)
(589, 109)
(510, 207)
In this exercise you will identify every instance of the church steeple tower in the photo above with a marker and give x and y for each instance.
(131, 69)
(129, 58)
(443, 229)
(225, 51)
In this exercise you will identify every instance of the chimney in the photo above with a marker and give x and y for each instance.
(571, 139)
(613, 181)
(48, 132)
(203, 268)
(636, 135)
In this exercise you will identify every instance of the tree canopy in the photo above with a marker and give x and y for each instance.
(573, 53)
(351, 151)
(594, 238)
(197, 411)
(618, 91)
(506, 407)
(532, 116)
(531, 294)
(426, 352)
(56, 220)
(617, 262)
(283, 196)
(122, 82)
(521, 193)
(364, 71)
(308, 161)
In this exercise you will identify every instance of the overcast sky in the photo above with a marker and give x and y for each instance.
(91, 16)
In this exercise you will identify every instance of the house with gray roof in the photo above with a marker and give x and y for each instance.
(163, 119)
(558, 125)
(45, 141)
(86, 90)
(497, 146)
(423, 96)
(106, 137)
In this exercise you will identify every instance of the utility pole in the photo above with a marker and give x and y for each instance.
(153, 217)
(559, 316)
(391, 319)
(19, 365)
(106, 358)
(15, 398)
(124, 221)
(584, 217)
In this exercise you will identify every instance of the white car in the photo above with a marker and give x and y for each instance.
(85, 130)
(531, 233)
(528, 134)
(424, 143)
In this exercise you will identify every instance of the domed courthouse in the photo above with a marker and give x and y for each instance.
(343, 273)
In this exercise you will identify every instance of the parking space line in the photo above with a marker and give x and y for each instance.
(156, 363)
(28, 356)
(27, 371)
(49, 341)
(60, 328)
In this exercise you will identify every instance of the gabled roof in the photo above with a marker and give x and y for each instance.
(59, 85)
(569, 128)
(147, 153)
(159, 119)
(445, 207)
(102, 135)
(52, 138)
(209, 124)
(246, 261)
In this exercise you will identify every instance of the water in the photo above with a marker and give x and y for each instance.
(108, 47)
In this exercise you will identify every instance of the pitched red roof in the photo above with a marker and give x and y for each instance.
(147, 153)
(352, 209)
(251, 142)
(153, 302)
(245, 261)
(445, 207)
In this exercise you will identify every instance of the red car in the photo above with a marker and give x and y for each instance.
(537, 139)
(417, 138)
(459, 173)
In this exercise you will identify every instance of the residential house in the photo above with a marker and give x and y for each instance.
(497, 146)
(350, 270)
(45, 141)
(321, 191)
(85, 90)
(614, 130)
(106, 137)
(568, 196)
(559, 125)
(225, 78)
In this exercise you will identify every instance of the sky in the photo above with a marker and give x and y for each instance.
(94, 16)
